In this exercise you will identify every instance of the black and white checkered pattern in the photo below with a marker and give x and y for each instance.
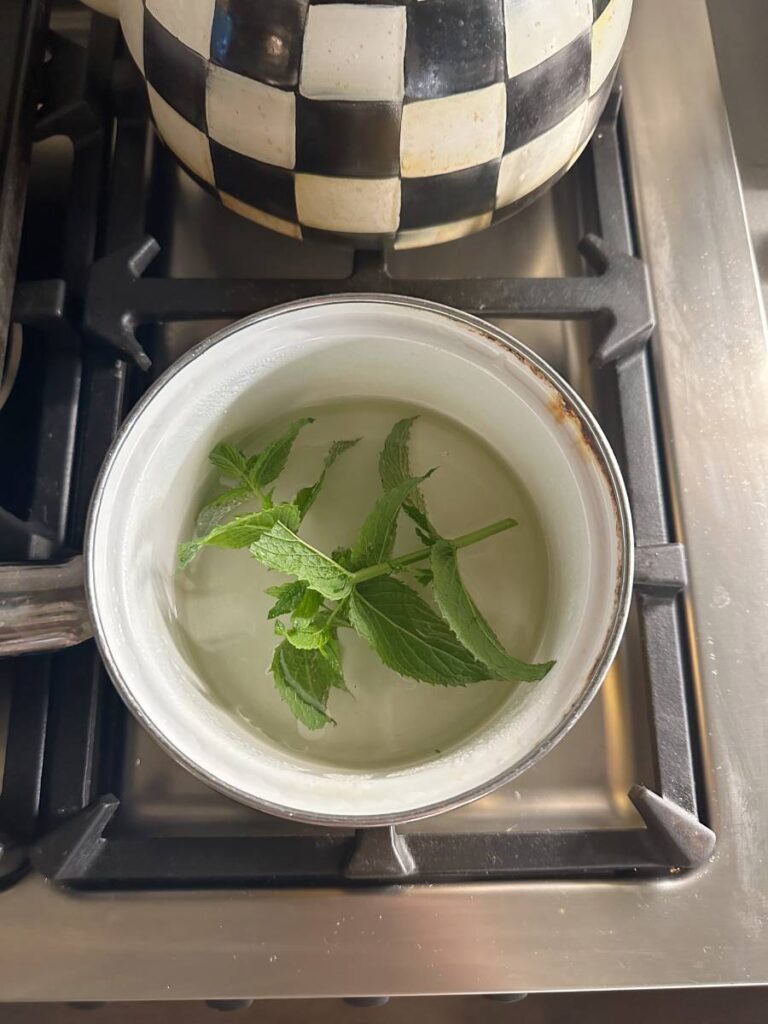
(400, 122)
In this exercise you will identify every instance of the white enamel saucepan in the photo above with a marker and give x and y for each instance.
(286, 359)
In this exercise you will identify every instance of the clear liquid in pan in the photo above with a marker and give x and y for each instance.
(386, 721)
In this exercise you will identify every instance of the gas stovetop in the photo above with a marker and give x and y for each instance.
(123, 264)
(143, 247)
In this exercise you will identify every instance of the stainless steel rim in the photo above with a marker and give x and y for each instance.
(623, 589)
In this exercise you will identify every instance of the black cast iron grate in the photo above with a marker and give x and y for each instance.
(58, 808)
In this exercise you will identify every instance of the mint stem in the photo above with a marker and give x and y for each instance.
(334, 613)
(465, 541)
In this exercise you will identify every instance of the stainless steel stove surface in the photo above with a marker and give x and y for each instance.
(594, 921)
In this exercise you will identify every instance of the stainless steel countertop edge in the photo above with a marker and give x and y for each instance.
(706, 928)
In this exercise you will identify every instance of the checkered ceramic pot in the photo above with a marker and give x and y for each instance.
(401, 122)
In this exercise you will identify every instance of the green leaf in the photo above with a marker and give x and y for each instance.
(427, 533)
(306, 497)
(307, 636)
(216, 511)
(186, 553)
(424, 576)
(343, 556)
(288, 596)
(230, 460)
(340, 616)
(304, 680)
(267, 466)
(332, 654)
(308, 607)
(240, 532)
(281, 549)
(409, 636)
(377, 534)
(395, 469)
(469, 625)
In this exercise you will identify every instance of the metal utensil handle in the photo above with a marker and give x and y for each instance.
(43, 607)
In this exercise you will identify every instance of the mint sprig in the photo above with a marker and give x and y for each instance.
(356, 587)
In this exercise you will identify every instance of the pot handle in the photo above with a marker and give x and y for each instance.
(43, 607)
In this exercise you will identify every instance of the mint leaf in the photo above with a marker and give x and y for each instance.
(240, 532)
(343, 556)
(306, 497)
(469, 625)
(307, 636)
(395, 469)
(310, 627)
(308, 607)
(304, 680)
(394, 461)
(332, 654)
(377, 534)
(267, 466)
(288, 596)
(341, 616)
(409, 636)
(424, 576)
(186, 553)
(216, 511)
(230, 460)
(281, 549)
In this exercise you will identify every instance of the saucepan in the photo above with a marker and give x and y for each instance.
(284, 359)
